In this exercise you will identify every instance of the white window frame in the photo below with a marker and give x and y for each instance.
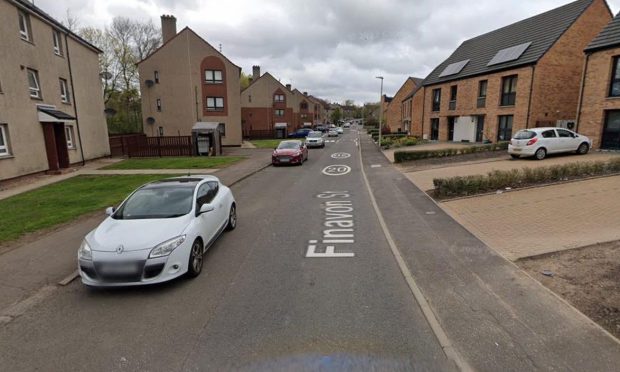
(211, 76)
(278, 98)
(279, 113)
(35, 92)
(156, 76)
(69, 136)
(4, 148)
(24, 33)
(64, 91)
(212, 103)
(57, 41)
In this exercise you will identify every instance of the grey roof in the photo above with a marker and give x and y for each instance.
(418, 85)
(608, 38)
(56, 113)
(542, 30)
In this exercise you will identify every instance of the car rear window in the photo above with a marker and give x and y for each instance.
(524, 134)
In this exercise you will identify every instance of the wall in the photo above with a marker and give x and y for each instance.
(394, 111)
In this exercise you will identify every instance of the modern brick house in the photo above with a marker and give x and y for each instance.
(599, 108)
(412, 111)
(396, 111)
(51, 101)
(186, 81)
(523, 75)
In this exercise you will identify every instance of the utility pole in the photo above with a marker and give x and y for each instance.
(380, 110)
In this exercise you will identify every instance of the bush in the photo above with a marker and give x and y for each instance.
(402, 156)
(514, 178)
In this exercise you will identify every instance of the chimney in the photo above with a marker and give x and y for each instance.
(255, 72)
(288, 86)
(168, 27)
(305, 93)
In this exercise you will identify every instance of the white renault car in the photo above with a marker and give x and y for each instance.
(538, 142)
(160, 232)
(315, 139)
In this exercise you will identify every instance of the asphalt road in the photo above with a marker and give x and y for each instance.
(275, 294)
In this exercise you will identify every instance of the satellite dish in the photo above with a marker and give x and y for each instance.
(150, 120)
(149, 83)
(106, 75)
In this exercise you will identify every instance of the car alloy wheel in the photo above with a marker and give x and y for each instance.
(232, 218)
(195, 259)
(583, 149)
(541, 153)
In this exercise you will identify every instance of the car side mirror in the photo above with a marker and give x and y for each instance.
(109, 211)
(206, 208)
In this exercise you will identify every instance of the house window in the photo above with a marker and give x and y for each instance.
(24, 26)
(156, 77)
(215, 103)
(453, 93)
(304, 106)
(4, 141)
(278, 98)
(504, 130)
(57, 42)
(250, 98)
(614, 88)
(158, 103)
(69, 135)
(509, 90)
(213, 76)
(482, 93)
(279, 112)
(64, 91)
(436, 99)
(33, 83)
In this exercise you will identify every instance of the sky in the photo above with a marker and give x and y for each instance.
(332, 49)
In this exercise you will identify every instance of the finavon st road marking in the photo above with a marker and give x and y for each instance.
(338, 224)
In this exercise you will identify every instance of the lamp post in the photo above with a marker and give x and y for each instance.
(380, 110)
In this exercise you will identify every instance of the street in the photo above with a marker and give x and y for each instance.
(306, 281)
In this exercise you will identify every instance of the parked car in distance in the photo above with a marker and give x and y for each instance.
(340, 130)
(300, 133)
(315, 139)
(159, 232)
(332, 133)
(290, 152)
(347, 125)
(538, 142)
(321, 128)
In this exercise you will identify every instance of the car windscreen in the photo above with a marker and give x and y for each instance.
(288, 145)
(315, 135)
(524, 134)
(157, 202)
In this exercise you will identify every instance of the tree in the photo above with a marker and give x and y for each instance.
(244, 80)
(336, 115)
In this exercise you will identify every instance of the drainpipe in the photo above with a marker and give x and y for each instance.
(75, 107)
(581, 89)
(529, 103)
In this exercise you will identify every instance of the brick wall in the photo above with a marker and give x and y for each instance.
(394, 112)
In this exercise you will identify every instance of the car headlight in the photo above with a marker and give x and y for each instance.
(165, 248)
(85, 253)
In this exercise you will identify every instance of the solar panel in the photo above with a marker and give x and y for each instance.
(454, 68)
(509, 54)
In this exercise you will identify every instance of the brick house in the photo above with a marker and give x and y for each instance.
(187, 80)
(599, 108)
(304, 109)
(51, 101)
(267, 105)
(524, 75)
(412, 111)
(395, 116)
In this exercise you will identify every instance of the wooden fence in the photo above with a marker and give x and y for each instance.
(139, 145)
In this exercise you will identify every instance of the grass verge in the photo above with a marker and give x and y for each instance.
(403, 156)
(196, 162)
(64, 201)
(271, 143)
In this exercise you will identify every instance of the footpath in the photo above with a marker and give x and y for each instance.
(36, 265)
(496, 316)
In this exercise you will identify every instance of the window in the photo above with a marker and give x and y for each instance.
(434, 129)
(278, 98)
(161, 131)
(304, 106)
(69, 135)
(509, 90)
(504, 130)
(453, 94)
(564, 133)
(24, 26)
(614, 87)
(33, 83)
(213, 76)
(548, 134)
(158, 102)
(250, 98)
(436, 99)
(64, 91)
(206, 193)
(57, 42)
(215, 103)
(482, 94)
(156, 77)
(279, 112)
(4, 141)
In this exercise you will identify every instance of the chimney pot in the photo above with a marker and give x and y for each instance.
(168, 27)
(305, 93)
(255, 72)
(288, 86)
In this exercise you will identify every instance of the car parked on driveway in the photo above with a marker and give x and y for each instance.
(160, 232)
(300, 133)
(538, 142)
(315, 139)
(290, 152)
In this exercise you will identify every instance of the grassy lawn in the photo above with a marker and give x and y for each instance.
(270, 143)
(197, 162)
(65, 201)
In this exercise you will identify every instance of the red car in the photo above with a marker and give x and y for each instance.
(290, 152)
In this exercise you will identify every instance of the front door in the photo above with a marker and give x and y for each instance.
(480, 128)
(56, 145)
(451, 120)
(434, 129)
(611, 131)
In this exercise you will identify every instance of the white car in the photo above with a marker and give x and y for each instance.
(315, 139)
(160, 232)
(340, 130)
(332, 133)
(347, 125)
(538, 142)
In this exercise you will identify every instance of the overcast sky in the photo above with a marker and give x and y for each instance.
(330, 48)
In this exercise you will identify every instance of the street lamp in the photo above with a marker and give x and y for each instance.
(380, 110)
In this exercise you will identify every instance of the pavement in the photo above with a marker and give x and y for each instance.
(541, 220)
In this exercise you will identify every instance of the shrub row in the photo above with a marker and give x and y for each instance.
(400, 141)
(496, 180)
(402, 156)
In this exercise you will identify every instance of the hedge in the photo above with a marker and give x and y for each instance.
(400, 141)
(515, 178)
(402, 156)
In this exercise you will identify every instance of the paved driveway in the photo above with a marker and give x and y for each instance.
(546, 219)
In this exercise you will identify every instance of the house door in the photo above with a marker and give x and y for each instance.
(434, 129)
(480, 128)
(451, 120)
(56, 145)
(611, 131)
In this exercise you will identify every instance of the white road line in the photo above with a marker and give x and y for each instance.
(442, 338)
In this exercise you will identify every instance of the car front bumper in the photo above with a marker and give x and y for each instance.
(280, 160)
(315, 144)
